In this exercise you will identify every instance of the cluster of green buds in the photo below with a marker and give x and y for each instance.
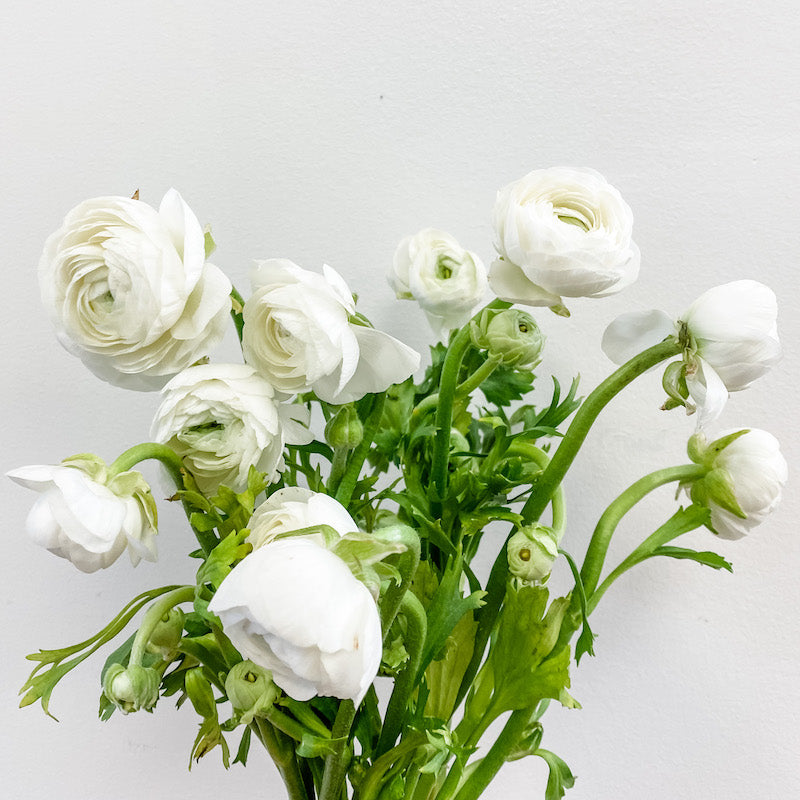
(510, 336)
(531, 552)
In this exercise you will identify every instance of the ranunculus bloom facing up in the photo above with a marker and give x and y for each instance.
(294, 608)
(87, 518)
(300, 335)
(222, 419)
(561, 231)
(295, 508)
(731, 339)
(129, 292)
(446, 280)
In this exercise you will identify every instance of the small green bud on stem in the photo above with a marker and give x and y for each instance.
(131, 688)
(509, 335)
(531, 552)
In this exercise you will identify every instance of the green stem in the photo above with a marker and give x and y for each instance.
(372, 782)
(345, 490)
(585, 417)
(153, 616)
(540, 458)
(336, 763)
(607, 524)
(282, 753)
(406, 562)
(338, 466)
(466, 387)
(405, 683)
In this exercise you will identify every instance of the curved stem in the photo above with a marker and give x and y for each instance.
(414, 641)
(585, 417)
(607, 524)
(345, 490)
(282, 753)
(467, 386)
(336, 763)
(153, 616)
(539, 457)
(372, 783)
(150, 450)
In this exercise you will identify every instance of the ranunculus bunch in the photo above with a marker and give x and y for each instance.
(338, 500)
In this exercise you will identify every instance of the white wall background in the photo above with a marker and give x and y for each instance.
(326, 134)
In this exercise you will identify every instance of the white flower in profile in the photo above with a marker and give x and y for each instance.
(294, 508)
(301, 332)
(224, 418)
(129, 292)
(294, 607)
(561, 231)
(752, 469)
(446, 280)
(88, 517)
(729, 337)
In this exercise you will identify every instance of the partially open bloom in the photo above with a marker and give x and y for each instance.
(747, 472)
(446, 280)
(531, 552)
(86, 516)
(510, 335)
(294, 608)
(224, 418)
(129, 292)
(295, 508)
(561, 231)
(301, 332)
(729, 337)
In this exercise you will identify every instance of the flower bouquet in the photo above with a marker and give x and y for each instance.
(326, 460)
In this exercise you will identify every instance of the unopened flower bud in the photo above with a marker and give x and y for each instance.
(250, 690)
(199, 691)
(511, 336)
(164, 639)
(344, 429)
(131, 688)
(531, 552)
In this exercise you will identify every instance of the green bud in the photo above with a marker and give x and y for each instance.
(511, 336)
(131, 688)
(164, 639)
(531, 552)
(250, 690)
(199, 691)
(344, 430)
(702, 452)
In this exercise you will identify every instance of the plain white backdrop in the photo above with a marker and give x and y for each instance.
(325, 133)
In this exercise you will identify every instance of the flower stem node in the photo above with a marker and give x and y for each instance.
(131, 688)
(250, 690)
(531, 552)
(164, 640)
(510, 336)
(344, 430)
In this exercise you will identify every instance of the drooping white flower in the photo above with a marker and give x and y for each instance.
(300, 333)
(293, 607)
(129, 292)
(86, 516)
(730, 338)
(224, 418)
(561, 231)
(754, 469)
(446, 280)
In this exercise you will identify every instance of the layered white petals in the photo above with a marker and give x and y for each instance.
(446, 280)
(631, 333)
(295, 608)
(295, 508)
(758, 472)
(299, 335)
(129, 292)
(82, 520)
(224, 418)
(562, 231)
(735, 330)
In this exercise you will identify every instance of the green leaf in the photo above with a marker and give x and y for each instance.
(585, 643)
(560, 778)
(705, 557)
(244, 747)
(506, 385)
(223, 557)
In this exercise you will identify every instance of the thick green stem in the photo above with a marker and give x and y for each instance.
(338, 466)
(405, 683)
(372, 783)
(154, 615)
(585, 417)
(607, 524)
(345, 490)
(466, 387)
(282, 753)
(336, 763)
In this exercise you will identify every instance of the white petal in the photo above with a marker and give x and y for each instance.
(632, 333)
(707, 392)
(511, 284)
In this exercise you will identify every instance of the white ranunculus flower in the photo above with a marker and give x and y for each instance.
(295, 508)
(300, 333)
(445, 279)
(561, 231)
(86, 516)
(730, 335)
(756, 471)
(224, 418)
(129, 292)
(293, 607)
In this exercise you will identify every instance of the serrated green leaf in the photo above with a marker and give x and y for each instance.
(506, 385)
(244, 747)
(560, 778)
(705, 557)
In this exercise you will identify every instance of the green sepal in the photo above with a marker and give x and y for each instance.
(208, 737)
(718, 485)
(244, 747)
